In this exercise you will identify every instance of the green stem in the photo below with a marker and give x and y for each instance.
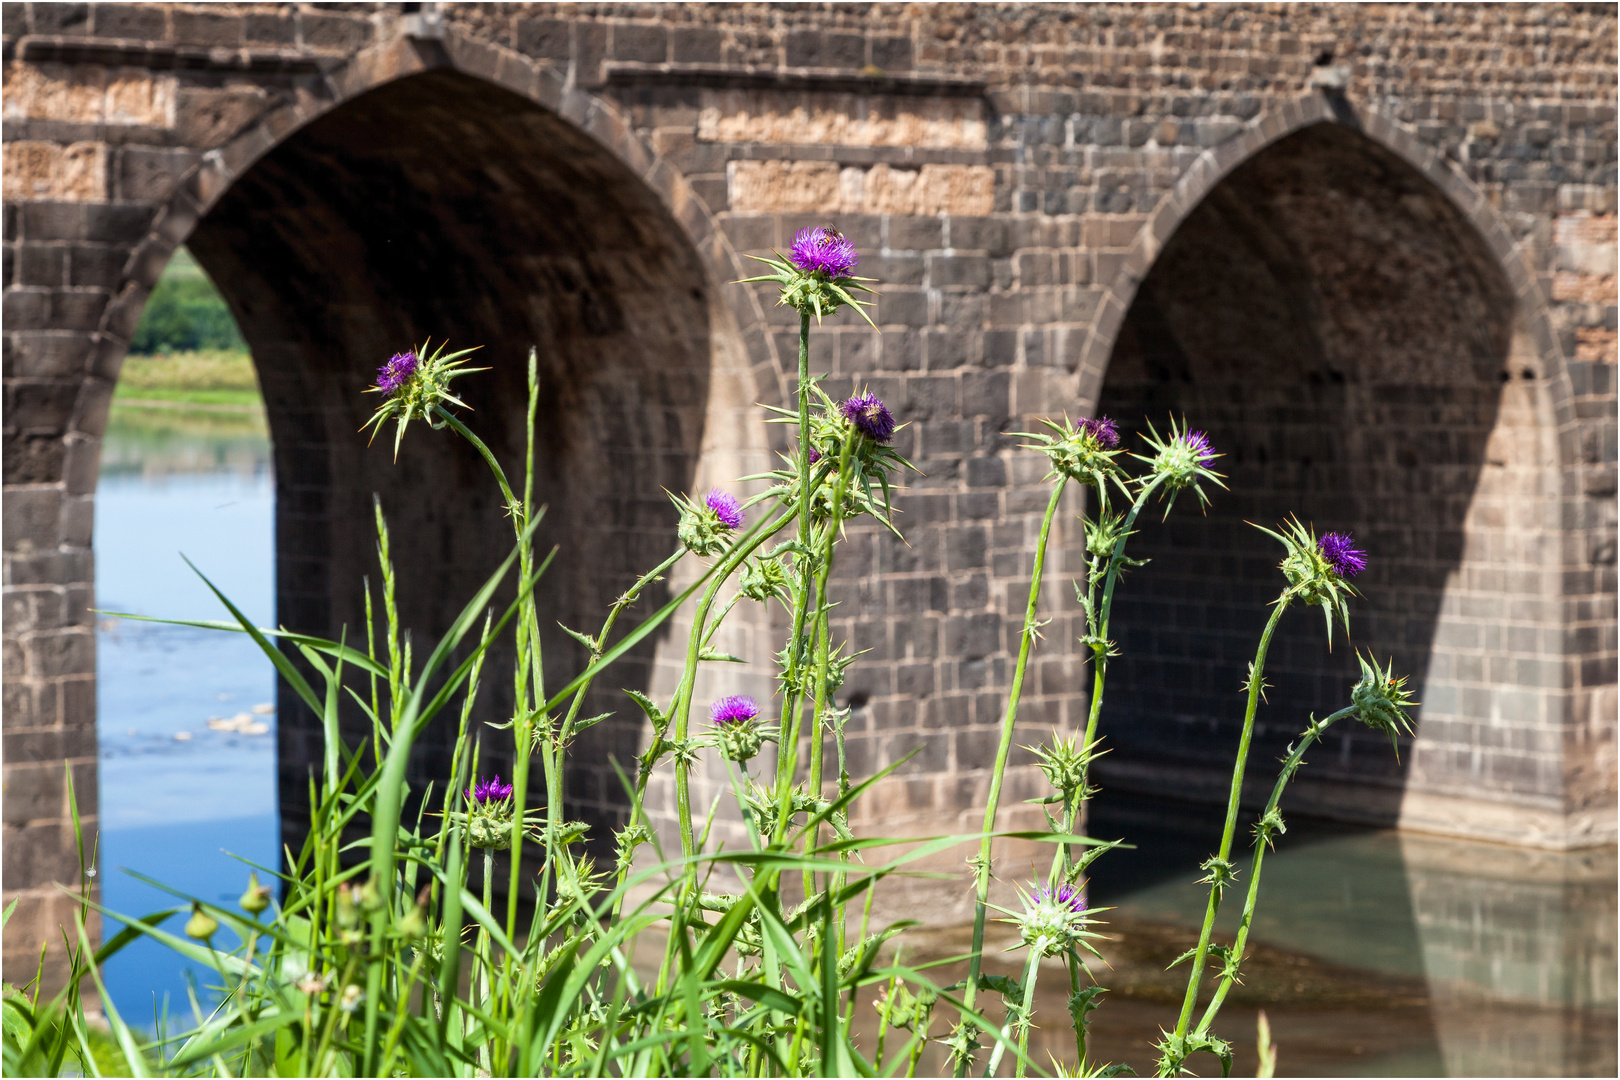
(823, 632)
(1256, 683)
(1025, 1021)
(1003, 748)
(1291, 764)
(787, 758)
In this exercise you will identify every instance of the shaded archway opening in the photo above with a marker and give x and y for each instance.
(442, 206)
(1343, 335)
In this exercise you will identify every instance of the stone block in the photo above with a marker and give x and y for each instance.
(135, 22)
(695, 45)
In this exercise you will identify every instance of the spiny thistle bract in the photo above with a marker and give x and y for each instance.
(1381, 699)
(1082, 452)
(815, 278)
(764, 579)
(872, 459)
(1313, 571)
(708, 527)
(736, 731)
(489, 814)
(1065, 763)
(1054, 920)
(358, 973)
(1180, 461)
(414, 388)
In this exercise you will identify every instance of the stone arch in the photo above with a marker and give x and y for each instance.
(1213, 166)
(1348, 320)
(560, 227)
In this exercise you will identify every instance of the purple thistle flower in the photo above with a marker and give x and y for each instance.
(1066, 896)
(815, 455)
(726, 508)
(1103, 430)
(736, 709)
(392, 376)
(1346, 560)
(870, 416)
(491, 790)
(1200, 445)
(827, 252)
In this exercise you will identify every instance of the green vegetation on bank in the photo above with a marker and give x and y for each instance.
(187, 350)
(185, 312)
(210, 377)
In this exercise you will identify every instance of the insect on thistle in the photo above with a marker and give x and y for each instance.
(829, 236)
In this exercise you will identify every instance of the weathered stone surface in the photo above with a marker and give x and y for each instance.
(1395, 309)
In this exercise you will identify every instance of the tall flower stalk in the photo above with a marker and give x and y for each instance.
(401, 964)
(1312, 569)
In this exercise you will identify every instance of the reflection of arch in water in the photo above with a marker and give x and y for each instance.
(433, 202)
(1354, 346)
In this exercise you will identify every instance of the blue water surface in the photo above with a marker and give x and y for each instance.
(181, 803)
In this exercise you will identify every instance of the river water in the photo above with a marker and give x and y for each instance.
(181, 802)
(1375, 953)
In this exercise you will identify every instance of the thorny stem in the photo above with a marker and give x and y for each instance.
(1256, 683)
(788, 748)
(823, 644)
(1003, 748)
(1291, 764)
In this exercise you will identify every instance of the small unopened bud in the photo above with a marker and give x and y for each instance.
(257, 897)
(348, 911)
(201, 925)
(414, 924)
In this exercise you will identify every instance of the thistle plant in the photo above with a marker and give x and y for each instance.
(400, 956)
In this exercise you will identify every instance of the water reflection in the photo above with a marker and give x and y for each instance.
(176, 791)
(1416, 955)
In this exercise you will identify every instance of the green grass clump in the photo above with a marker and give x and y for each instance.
(209, 377)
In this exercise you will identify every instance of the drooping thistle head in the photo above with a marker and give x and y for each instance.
(489, 814)
(1180, 461)
(816, 277)
(706, 527)
(1083, 452)
(1381, 699)
(1318, 570)
(1053, 919)
(414, 384)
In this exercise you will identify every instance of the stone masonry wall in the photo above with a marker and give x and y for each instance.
(1011, 172)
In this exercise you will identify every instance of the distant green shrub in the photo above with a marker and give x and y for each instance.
(183, 314)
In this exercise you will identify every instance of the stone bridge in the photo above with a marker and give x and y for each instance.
(1369, 249)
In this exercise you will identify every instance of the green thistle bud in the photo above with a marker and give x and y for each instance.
(1065, 764)
(257, 897)
(1381, 699)
(201, 925)
(413, 925)
(763, 579)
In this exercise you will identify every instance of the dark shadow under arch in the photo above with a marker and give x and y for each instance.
(440, 205)
(1340, 330)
